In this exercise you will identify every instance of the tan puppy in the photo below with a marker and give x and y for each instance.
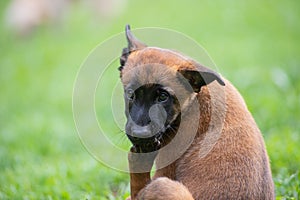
(219, 153)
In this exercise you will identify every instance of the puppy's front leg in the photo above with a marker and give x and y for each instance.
(140, 165)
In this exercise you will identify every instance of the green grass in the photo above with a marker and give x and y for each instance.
(254, 44)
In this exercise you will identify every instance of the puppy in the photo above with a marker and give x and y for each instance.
(194, 125)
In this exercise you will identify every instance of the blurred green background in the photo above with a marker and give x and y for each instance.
(255, 44)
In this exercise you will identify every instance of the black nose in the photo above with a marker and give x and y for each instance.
(140, 116)
(142, 121)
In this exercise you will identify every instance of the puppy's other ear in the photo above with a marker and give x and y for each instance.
(133, 45)
(200, 77)
(133, 42)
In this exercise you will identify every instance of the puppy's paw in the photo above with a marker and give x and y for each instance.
(165, 189)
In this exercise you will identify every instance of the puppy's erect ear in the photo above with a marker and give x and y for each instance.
(133, 45)
(133, 42)
(200, 77)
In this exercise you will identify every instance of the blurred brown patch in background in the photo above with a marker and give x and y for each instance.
(24, 16)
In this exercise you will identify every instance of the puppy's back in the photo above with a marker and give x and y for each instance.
(237, 166)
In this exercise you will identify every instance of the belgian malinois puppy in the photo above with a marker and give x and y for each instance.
(194, 124)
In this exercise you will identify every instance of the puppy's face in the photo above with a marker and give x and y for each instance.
(158, 85)
(153, 115)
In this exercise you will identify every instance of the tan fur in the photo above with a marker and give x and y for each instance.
(164, 188)
(232, 166)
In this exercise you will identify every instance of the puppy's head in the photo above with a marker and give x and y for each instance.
(158, 86)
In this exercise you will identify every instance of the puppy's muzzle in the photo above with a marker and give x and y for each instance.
(150, 134)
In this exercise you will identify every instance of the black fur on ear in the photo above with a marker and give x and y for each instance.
(200, 77)
(133, 45)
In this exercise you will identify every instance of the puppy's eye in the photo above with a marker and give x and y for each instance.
(130, 94)
(163, 96)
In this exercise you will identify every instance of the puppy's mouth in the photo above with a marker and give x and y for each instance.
(145, 145)
(157, 137)
(153, 143)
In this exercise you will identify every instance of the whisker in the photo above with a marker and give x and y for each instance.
(120, 137)
(168, 136)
